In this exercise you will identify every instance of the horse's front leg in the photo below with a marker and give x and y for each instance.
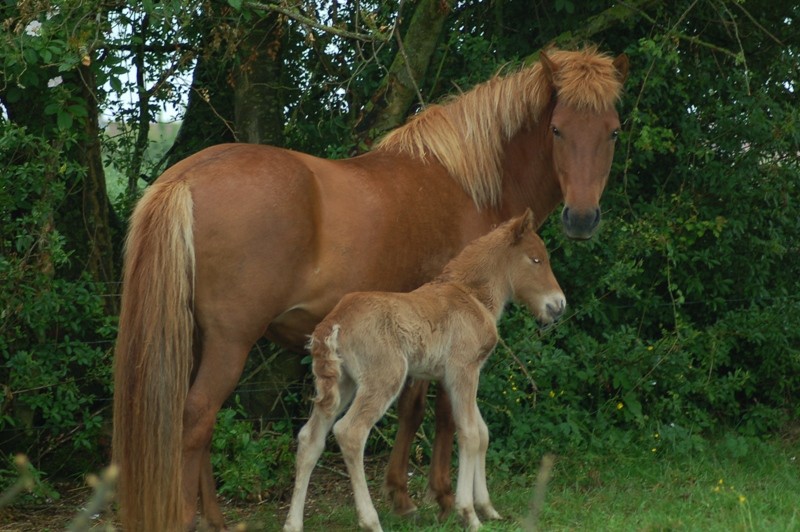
(439, 485)
(410, 411)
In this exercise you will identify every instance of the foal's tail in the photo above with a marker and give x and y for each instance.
(153, 358)
(327, 367)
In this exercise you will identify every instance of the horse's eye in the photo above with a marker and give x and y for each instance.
(535, 261)
(615, 134)
(556, 132)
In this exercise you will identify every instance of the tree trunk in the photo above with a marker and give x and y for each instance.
(100, 223)
(400, 88)
(258, 98)
(85, 218)
(209, 111)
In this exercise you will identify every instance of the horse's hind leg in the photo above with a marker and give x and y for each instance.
(221, 365)
(410, 411)
(209, 505)
(440, 488)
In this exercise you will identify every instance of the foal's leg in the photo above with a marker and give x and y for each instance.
(373, 397)
(410, 411)
(481, 492)
(310, 444)
(463, 388)
(439, 487)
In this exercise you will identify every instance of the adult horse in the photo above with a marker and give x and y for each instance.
(242, 241)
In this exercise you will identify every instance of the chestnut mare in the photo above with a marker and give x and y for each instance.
(242, 241)
(368, 345)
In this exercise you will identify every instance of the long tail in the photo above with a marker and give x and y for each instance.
(153, 358)
(327, 368)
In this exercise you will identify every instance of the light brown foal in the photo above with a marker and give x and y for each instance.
(372, 341)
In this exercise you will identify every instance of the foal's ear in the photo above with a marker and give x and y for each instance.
(621, 64)
(522, 225)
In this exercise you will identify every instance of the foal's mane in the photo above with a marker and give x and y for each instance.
(467, 133)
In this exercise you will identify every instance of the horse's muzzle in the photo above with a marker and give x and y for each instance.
(580, 225)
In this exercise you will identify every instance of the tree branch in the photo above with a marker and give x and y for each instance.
(308, 21)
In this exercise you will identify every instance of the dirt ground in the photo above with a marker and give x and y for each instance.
(330, 481)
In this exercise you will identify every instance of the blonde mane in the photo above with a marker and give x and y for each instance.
(467, 134)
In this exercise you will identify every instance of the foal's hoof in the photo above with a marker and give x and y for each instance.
(470, 519)
(489, 513)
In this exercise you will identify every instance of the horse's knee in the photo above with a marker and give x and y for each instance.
(199, 417)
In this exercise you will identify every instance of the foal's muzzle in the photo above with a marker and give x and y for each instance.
(555, 308)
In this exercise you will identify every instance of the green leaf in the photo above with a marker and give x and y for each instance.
(64, 120)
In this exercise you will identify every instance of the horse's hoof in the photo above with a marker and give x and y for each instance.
(446, 504)
(402, 504)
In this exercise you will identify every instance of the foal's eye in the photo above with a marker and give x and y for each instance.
(556, 132)
(615, 134)
(535, 261)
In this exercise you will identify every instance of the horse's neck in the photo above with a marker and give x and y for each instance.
(530, 179)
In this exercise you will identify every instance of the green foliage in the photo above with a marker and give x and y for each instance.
(23, 483)
(54, 333)
(248, 463)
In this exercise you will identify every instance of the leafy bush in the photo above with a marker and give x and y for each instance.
(249, 463)
(55, 336)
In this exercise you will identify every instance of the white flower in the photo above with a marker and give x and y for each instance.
(34, 28)
(55, 82)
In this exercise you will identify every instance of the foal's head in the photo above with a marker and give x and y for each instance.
(532, 281)
(583, 131)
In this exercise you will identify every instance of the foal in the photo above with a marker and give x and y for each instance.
(444, 330)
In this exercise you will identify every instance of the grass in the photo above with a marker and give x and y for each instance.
(754, 487)
(735, 484)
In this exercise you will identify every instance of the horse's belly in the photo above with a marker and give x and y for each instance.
(292, 328)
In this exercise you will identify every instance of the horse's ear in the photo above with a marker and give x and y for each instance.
(523, 224)
(621, 64)
(548, 68)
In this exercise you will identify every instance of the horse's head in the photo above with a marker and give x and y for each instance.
(583, 129)
(532, 280)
